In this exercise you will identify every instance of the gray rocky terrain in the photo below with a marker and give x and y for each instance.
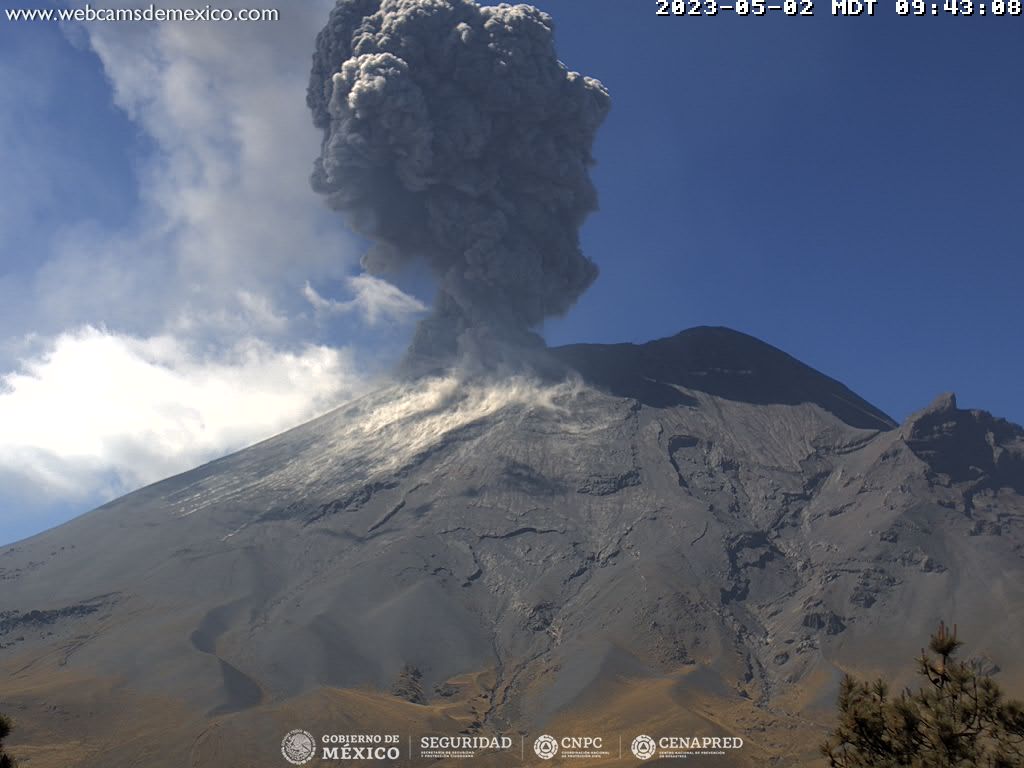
(701, 517)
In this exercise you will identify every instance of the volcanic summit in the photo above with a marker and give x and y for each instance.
(695, 535)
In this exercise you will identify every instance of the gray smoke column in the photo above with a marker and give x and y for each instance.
(454, 135)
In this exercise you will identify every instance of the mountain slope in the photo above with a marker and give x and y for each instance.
(701, 521)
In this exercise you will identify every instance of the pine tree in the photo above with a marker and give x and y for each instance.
(958, 719)
(6, 761)
(409, 685)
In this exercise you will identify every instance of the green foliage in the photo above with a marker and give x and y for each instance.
(958, 719)
(6, 761)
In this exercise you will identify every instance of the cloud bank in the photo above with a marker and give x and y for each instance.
(98, 413)
(137, 349)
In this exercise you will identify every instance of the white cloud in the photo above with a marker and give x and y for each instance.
(100, 413)
(374, 300)
(146, 348)
(227, 193)
(226, 220)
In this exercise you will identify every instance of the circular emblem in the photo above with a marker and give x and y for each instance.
(643, 747)
(298, 747)
(546, 747)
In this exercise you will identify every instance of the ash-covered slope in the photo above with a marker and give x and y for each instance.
(701, 521)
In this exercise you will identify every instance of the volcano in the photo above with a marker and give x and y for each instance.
(694, 536)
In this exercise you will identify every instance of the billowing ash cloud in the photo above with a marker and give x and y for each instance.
(453, 134)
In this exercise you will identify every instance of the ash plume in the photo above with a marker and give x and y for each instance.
(452, 134)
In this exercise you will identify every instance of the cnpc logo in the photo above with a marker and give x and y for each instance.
(546, 747)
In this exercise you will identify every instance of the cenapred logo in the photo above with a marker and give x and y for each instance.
(298, 746)
(571, 747)
(546, 747)
(643, 747)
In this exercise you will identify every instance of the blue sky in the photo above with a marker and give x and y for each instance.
(846, 189)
